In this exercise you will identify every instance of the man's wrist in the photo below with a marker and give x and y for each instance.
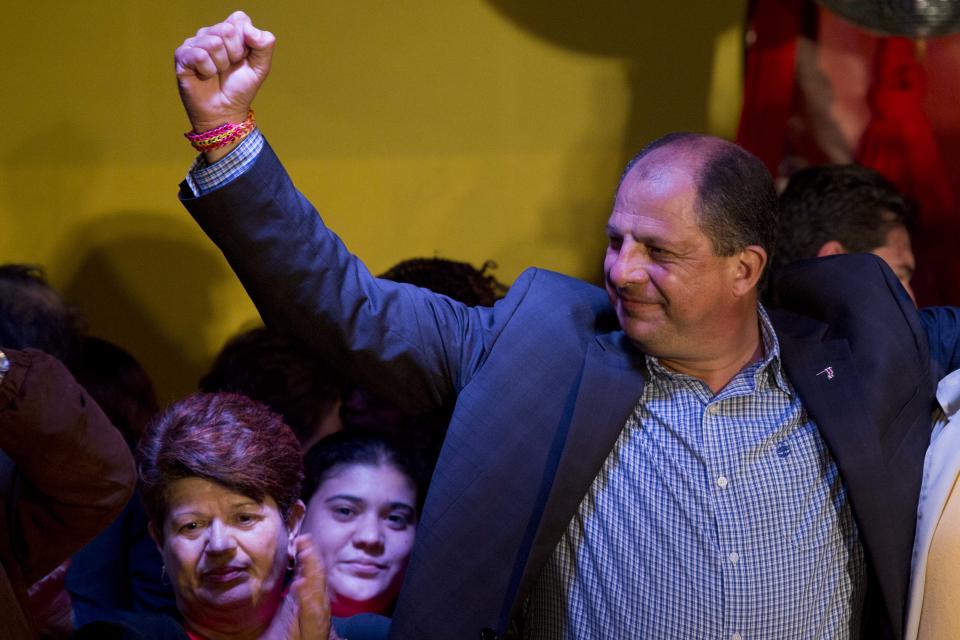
(217, 142)
(216, 154)
(204, 125)
(205, 176)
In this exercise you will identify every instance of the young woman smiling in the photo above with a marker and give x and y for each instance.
(362, 492)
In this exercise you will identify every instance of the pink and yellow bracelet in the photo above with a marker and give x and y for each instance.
(221, 136)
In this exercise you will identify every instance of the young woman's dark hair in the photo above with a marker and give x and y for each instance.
(355, 446)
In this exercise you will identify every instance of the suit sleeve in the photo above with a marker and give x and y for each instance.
(410, 345)
(942, 325)
(69, 471)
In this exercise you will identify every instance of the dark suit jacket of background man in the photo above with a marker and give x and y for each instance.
(544, 383)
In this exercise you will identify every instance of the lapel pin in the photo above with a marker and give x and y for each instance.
(828, 371)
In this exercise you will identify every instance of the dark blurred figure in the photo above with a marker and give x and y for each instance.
(74, 478)
(283, 374)
(32, 314)
(847, 208)
(458, 280)
(65, 474)
(119, 384)
(117, 577)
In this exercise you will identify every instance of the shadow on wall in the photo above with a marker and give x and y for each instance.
(143, 279)
(146, 282)
(667, 51)
(41, 185)
(572, 219)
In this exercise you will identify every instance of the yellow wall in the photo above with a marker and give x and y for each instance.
(467, 129)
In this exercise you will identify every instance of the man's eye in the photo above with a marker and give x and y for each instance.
(343, 512)
(616, 243)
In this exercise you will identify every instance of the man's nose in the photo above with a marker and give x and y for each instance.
(629, 266)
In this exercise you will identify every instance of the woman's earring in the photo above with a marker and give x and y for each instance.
(291, 552)
(164, 579)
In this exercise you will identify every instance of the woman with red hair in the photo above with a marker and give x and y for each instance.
(220, 479)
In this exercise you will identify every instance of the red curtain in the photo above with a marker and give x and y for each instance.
(898, 142)
(768, 85)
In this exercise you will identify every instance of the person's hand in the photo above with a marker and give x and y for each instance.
(50, 604)
(304, 613)
(220, 70)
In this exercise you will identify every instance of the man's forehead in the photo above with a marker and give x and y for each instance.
(658, 176)
(678, 159)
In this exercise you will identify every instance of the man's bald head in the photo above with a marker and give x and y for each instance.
(736, 199)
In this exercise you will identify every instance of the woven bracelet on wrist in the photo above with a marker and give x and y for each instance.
(221, 136)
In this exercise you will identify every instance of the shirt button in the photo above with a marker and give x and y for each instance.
(734, 557)
(722, 482)
(714, 409)
(736, 636)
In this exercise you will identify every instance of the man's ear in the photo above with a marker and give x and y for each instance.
(749, 267)
(831, 248)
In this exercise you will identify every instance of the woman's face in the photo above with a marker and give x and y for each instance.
(363, 520)
(226, 554)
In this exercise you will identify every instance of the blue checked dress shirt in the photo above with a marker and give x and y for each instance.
(204, 178)
(720, 517)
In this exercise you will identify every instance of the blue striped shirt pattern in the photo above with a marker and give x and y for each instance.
(720, 517)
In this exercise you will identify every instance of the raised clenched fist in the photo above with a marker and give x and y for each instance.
(220, 70)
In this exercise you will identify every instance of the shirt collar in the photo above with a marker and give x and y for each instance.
(769, 371)
(948, 393)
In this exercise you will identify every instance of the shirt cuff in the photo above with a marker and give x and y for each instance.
(204, 178)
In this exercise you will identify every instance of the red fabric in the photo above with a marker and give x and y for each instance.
(899, 143)
(768, 83)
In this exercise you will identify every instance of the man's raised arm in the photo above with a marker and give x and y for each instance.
(406, 344)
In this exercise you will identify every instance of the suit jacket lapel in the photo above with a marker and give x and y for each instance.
(610, 385)
(824, 374)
